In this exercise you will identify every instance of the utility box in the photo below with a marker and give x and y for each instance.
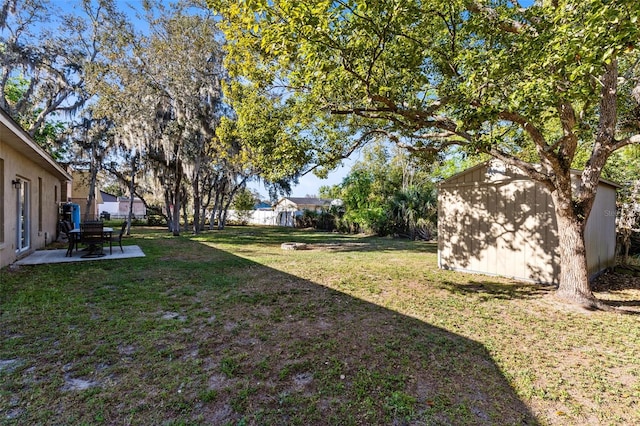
(71, 213)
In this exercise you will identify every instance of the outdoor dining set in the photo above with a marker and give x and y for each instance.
(93, 235)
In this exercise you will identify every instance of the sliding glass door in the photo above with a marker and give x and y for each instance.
(23, 216)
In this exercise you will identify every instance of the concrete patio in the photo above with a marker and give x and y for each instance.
(58, 256)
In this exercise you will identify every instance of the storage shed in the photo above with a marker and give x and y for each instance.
(493, 219)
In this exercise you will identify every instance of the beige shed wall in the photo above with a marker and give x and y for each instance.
(501, 223)
(17, 165)
(600, 232)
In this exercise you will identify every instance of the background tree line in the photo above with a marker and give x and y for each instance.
(387, 192)
(143, 106)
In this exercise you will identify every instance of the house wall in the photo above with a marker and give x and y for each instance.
(112, 207)
(45, 192)
(285, 213)
(80, 191)
(286, 210)
(139, 209)
(120, 209)
(286, 205)
(496, 221)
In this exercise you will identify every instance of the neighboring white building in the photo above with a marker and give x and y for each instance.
(284, 212)
(255, 217)
(118, 207)
(288, 208)
(109, 204)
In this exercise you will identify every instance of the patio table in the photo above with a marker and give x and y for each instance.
(75, 237)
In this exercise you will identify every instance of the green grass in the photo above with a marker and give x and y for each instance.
(228, 328)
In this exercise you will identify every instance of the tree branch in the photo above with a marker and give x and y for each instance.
(510, 26)
(535, 133)
(524, 166)
(605, 136)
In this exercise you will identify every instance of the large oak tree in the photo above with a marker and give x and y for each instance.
(529, 85)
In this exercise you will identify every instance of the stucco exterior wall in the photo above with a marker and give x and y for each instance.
(495, 220)
(45, 192)
(80, 191)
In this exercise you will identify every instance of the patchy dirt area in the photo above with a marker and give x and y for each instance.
(620, 288)
(324, 246)
(621, 278)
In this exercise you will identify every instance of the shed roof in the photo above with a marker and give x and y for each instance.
(494, 162)
(17, 138)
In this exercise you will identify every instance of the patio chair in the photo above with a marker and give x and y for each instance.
(92, 234)
(65, 228)
(118, 238)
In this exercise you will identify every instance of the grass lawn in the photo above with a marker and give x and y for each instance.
(228, 328)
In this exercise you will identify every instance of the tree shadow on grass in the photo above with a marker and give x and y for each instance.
(620, 288)
(341, 360)
(488, 289)
(233, 341)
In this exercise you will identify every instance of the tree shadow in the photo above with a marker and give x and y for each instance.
(245, 343)
(319, 240)
(349, 361)
(617, 285)
(487, 289)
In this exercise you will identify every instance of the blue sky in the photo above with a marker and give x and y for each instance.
(310, 184)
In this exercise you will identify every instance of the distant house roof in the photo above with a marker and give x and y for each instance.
(302, 203)
(309, 200)
(262, 205)
(108, 198)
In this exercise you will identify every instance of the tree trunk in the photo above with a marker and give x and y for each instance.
(175, 217)
(93, 173)
(221, 218)
(132, 187)
(574, 286)
(169, 208)
(195, 187)
(177, 201)
(174, 205)
(214, 212)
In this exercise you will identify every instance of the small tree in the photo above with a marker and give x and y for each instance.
(244, 203)
(415, 212)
